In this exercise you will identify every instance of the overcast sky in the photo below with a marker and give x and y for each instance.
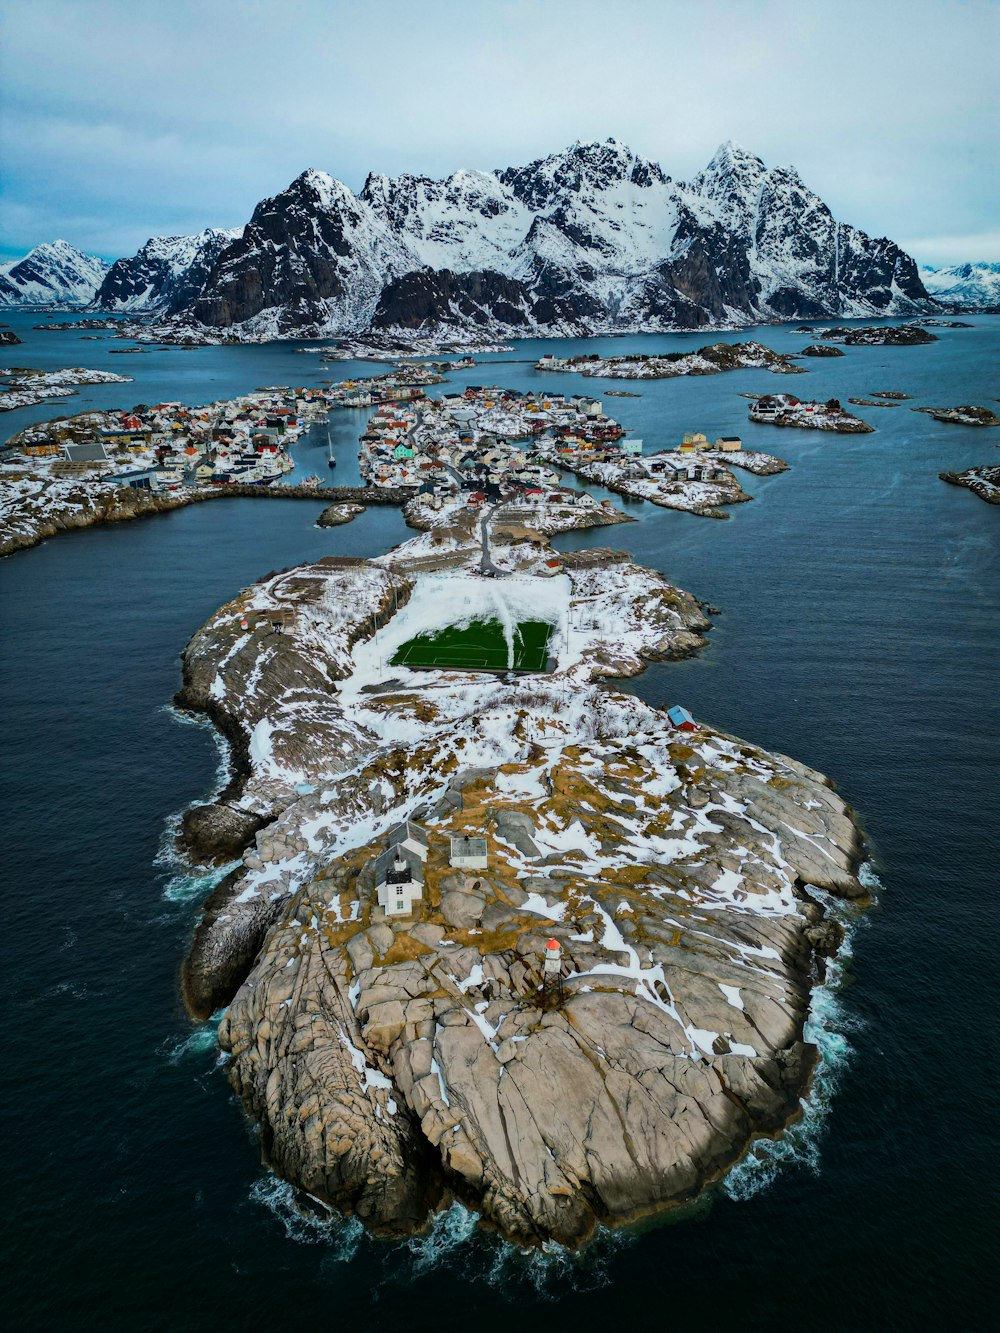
(122, 119)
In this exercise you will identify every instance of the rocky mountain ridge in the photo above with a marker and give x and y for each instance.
(54, 273)
(973, 286)
(593, 239)
(167, 273)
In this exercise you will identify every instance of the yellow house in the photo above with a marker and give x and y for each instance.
(695, 440)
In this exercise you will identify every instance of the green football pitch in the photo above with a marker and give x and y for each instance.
(479, 646)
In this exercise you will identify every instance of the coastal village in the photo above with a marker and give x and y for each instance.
(465, 449)
(484, 440)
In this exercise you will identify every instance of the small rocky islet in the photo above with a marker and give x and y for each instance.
(821, 349)
(966, 415)
(880, 335)
(981, 481)
(680, 878)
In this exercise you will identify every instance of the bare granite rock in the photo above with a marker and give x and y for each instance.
(395, 1063)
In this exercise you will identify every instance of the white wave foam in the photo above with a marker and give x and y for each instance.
(312, 1225)
(187, 883)
(827, 1025)
(202, 1040)
(192, 885)
(870, 880)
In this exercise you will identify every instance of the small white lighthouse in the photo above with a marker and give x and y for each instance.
(552, 989)
(553, 958)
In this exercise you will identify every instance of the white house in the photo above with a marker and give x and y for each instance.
(399, 881)
(468, 853)
(411, 836)
(591, 407)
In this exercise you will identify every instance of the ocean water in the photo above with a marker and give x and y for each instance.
(860, 601)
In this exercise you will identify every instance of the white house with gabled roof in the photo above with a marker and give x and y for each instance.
(469, 853)
(411, 836)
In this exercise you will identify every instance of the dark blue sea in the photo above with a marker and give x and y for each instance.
(860, 601)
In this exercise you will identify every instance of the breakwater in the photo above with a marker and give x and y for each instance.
(59, 507)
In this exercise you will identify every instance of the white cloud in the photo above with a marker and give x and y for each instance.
(943, 251)
(132, 119)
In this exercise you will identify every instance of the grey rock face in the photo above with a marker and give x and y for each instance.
(166, 275)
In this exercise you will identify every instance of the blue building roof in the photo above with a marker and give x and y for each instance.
(677, 715)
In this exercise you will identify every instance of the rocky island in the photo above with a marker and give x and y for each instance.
(513, 938)
(336, 514)
(22, 387)
(784, 409)
(706, 361)
(966, 415)
(696, 483)
(981, 481)
(880, 335)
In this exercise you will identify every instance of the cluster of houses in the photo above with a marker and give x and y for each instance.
(403, 384)
(692, 460)
(399, 870)
(485, 440)
(167, 445)
(784, 409)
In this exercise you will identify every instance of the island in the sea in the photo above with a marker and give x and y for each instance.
(981, 481)
(492, 929)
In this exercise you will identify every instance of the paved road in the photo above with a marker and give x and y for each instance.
(486, 565)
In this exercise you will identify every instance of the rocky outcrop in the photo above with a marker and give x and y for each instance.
(818, 349)
(35, 510)
(34, 507)
(966, 415)
(333, 516)
(981, 481)
(363, 1044)
(8, 338)
(395, 1063)
(881, 335)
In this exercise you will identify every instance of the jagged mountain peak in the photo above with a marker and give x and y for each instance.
(973, 286)
(167, 273)
(52, 273)
(592, 237)
(583, 165)
(316, 187)
(731, 155)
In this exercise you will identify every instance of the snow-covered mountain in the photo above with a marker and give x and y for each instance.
(973, 285)
(167, 274)
(54, 273)
(592, 239)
